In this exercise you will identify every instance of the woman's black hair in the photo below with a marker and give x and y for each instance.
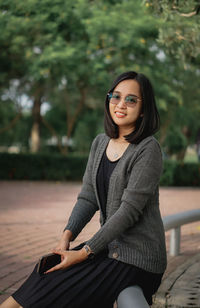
(146, 125)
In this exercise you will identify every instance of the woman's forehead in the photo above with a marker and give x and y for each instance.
(128, 86)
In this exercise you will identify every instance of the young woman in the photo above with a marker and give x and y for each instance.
(122, 181)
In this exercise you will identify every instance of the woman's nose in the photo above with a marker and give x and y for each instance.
(121, 103)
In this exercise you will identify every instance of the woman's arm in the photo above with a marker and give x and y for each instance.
(83, 211)
(143, 181)
(86, 204)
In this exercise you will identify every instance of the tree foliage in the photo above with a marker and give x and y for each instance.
(72, 50)
(180, 29)
(67, 53)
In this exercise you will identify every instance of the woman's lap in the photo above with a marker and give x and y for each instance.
(95, 283)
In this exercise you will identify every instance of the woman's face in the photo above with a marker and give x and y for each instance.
(125, 115)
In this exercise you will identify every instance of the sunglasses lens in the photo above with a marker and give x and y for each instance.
(115, 98)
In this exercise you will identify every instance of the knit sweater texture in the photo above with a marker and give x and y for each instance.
(132, 229)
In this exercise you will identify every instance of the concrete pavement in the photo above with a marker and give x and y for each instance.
(33, 215)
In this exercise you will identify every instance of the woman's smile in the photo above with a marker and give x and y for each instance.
(120, 114)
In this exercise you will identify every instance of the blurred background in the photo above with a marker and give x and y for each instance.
(58, 60)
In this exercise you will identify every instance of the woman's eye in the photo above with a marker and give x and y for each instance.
(116, 96)
(131, 99)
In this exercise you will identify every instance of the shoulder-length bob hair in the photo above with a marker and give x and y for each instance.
(146, 125)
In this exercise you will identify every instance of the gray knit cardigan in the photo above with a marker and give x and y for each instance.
(132, 229)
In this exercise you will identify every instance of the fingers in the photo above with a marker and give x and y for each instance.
(57, 251)
(60, 248)
(56, 248)
(61, 264)
(55, 268)
(63, 244)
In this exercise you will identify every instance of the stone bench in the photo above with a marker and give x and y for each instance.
(181, 288)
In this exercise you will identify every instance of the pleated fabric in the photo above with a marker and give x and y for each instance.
(93, 283)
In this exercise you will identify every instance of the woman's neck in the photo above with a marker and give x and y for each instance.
(123, 132)
(120, 139)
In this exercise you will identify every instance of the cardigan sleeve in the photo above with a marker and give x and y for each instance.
(143, 181)
(86, 204)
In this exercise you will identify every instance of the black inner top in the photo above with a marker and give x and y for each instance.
(105, 170)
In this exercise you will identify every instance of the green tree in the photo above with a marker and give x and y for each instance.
(43, 45)
(180, 29)
(71, 48)
(179, 37)
(67, 52)
(14, 127)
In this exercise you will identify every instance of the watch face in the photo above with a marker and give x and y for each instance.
(87, 249)
(89, 253)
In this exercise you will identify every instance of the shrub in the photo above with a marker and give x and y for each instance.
(167, 178)
(41, 167)
(56, 167)
(187, 174)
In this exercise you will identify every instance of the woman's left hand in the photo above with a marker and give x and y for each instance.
(70, 257)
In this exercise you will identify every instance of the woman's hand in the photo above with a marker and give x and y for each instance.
(68, 258)
(64, 242)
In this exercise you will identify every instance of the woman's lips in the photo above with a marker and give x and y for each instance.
(120, 114)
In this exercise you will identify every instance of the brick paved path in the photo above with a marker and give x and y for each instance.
(33, 215)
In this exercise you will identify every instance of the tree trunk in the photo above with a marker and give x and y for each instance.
(35, 131)
(181, 155)
(71, 119)
(164, 127)
(187, 133)
(53, 133)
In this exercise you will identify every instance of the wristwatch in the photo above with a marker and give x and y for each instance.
(89, 252)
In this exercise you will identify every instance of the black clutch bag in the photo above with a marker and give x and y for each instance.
(48, 261)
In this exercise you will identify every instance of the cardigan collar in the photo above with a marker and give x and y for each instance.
(97, 159)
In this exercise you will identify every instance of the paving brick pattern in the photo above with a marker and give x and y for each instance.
(33, 215)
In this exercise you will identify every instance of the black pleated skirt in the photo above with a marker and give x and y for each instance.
(92, 283)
